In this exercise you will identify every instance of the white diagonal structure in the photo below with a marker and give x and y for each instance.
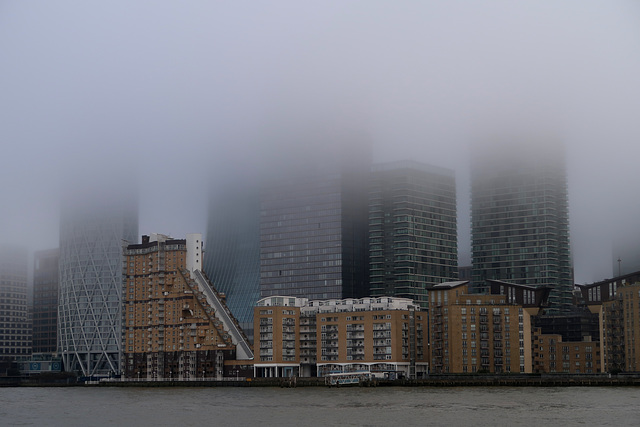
(91, 238)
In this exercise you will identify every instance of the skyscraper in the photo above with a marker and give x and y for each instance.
(46, 276)
(93, 227)
(412, 229)
(313, 222)
(519, 213)
(15, 328)
(232, 250)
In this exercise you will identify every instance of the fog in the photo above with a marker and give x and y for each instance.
(177, 97)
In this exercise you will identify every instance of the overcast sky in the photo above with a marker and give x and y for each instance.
(176, 93)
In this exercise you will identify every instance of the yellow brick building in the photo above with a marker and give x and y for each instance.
(552, 355)
(617, 303)
(482, 333)
(174, 324)
(385, 335)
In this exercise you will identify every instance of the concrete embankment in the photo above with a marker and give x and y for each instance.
(486, 380)
(434, 381)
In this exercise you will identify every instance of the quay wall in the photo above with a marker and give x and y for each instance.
(485, 380)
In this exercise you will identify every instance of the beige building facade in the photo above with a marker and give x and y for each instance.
(552, 355)
(617, 303)
(473, 333)
(171, 327)
(386, 336)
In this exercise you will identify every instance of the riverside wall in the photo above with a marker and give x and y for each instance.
(484, 380)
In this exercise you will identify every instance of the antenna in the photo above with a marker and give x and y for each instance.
(619, 267)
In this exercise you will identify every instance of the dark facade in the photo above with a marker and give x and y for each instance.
(412, 229)
(313, 227)
(526, 296)
(45, 301)
(15, 326)
(520, 223)
(573, 327)
(232, 251)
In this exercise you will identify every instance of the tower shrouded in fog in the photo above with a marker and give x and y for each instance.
(232, 251)
(519, 214)
(313, 218)
(93, 228)
(412, 229)
(15, 328)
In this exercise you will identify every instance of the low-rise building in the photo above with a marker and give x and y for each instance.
(551, 354)
(385, 335)
(617, 303)
(472, 333)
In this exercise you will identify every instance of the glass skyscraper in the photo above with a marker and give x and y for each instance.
(232, 250)
(15, 327)
(412, 229)
(93, 229)
(46, 276)
(313, 224)
(520, 222)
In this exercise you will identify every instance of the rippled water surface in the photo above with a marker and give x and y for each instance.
(318, 406)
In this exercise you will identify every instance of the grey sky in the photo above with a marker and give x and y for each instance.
(176, 93)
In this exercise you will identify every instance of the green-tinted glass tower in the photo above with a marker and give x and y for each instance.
(412, 229)
(519, 214)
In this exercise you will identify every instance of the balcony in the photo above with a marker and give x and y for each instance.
(352, 335)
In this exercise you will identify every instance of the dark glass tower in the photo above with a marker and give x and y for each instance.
(15, 327)
(232, 250)
(313, 223)
(45, 301)
(520, 223)
(412, 229)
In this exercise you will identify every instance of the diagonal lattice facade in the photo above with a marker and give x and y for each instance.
(91, 240)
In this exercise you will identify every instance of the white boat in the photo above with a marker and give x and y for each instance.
(339, 379)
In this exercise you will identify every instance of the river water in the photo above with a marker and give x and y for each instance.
(319, 406)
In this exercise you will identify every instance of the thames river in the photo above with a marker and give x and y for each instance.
(319, 406)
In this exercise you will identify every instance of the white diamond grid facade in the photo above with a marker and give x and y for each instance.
(91, 241)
